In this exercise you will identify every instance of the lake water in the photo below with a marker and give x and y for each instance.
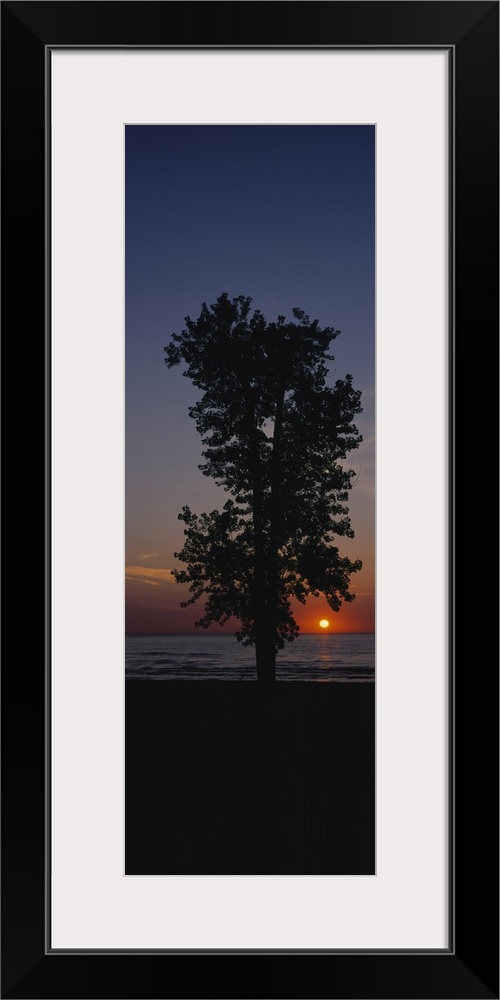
(329, 657)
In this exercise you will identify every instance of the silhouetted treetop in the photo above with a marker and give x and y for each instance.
(275, 436)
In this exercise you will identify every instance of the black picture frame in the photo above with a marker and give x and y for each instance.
(470, 967)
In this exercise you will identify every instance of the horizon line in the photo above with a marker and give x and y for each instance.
(230, 635)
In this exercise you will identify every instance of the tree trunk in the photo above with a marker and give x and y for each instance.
(274, 542)
(259, 587)
(261, 655)
(266, 570)
(266, 662)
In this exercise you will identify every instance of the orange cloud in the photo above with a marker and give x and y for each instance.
(149, 575)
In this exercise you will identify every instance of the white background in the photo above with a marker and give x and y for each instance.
(94, 905)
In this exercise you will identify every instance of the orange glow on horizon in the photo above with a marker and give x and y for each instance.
(358, 616)
(155, 608)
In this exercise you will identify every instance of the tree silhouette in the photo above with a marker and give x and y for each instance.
(275, 437)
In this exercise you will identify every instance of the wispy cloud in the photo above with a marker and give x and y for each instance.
(148, 574)
(149, 555)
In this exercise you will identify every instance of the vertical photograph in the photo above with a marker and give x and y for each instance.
(250, 500)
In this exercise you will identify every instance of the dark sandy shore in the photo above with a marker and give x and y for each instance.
(229, 779)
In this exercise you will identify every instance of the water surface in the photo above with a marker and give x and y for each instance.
(327, 657)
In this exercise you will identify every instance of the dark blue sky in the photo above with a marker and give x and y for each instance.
(283, 214)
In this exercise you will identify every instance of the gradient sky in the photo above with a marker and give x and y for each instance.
(283, 214)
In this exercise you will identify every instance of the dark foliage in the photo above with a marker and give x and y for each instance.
(275, 437)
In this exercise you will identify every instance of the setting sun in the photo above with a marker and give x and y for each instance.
(324, 623)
